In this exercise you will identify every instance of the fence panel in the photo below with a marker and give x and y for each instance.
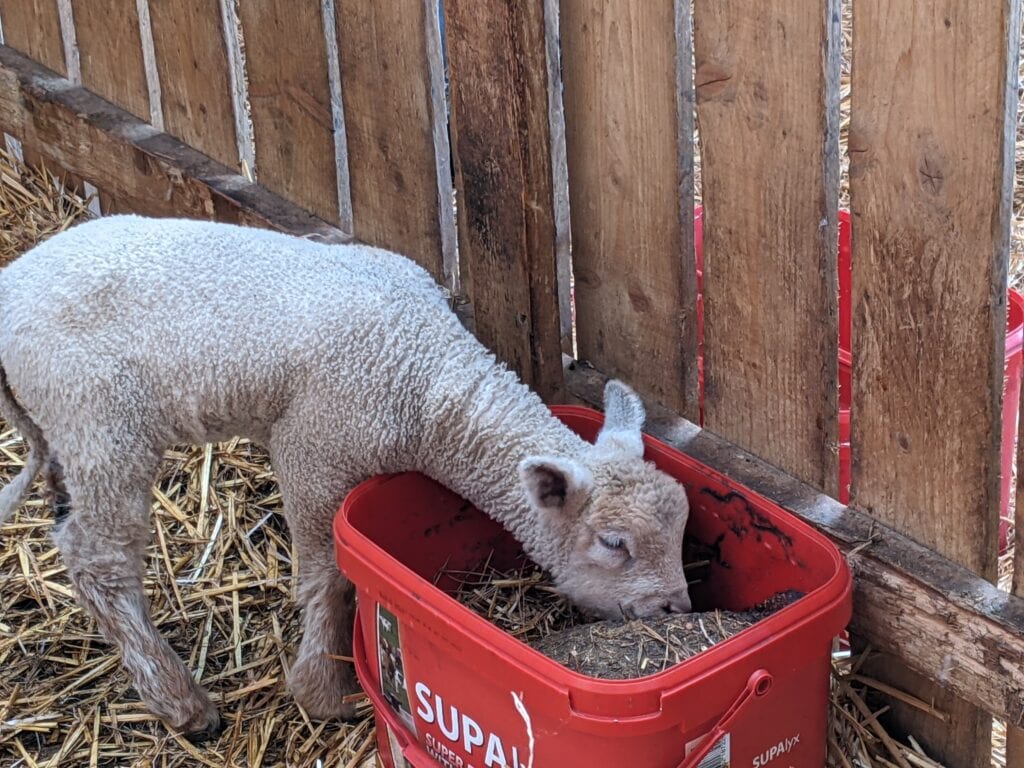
(290, 94)
(33, 27)
(110, 53)
(931, 154)
(767, 106)
(501, 143)
(389, 121)
(192, 62)
(628, 115)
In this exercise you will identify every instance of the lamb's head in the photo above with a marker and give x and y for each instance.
(617, 521)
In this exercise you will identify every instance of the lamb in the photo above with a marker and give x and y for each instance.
(125, 335)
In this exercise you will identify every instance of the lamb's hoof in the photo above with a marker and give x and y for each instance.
(202, 725)
(207, 734)
(320, 685)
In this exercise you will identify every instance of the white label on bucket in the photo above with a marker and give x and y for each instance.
(718, 757)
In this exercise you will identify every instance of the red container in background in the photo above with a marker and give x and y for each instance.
(451, 689)
(1011, 383)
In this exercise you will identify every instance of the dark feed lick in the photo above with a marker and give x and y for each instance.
(525, 605)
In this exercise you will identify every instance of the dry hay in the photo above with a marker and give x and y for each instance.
(525, 604)
(33, 206)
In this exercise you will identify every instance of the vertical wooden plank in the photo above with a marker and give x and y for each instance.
(110, 53)
(192, 64)
(931, 169)
(293, 124)
(33, 27)
(385, 84)
(631, 194)
(501, 145)
(767, 105)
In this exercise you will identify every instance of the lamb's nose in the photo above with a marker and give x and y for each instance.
(678, 603)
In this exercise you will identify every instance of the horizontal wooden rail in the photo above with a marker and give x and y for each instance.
(937, 617)
(145, 169)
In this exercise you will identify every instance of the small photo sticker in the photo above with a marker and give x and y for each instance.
(391, 664)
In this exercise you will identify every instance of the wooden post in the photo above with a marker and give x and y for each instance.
(629, 138)
(192, 63)
(502, 149)
(110, 53)
(33, 27)
(386, 87)
(768, 110)
(931, 168)
(292, 116)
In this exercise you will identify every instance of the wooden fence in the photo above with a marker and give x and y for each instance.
(573, 121)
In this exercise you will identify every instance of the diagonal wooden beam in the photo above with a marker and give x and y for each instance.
(145, 169)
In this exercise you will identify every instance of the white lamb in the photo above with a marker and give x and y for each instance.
(123, 336)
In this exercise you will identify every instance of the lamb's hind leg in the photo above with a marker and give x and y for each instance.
(103, 540)
(319, 680)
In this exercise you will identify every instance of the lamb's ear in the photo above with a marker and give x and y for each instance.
(623, 419)
(555, 484)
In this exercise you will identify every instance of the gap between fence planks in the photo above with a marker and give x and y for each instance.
(631, 193)
(33, 27)
(149, 171)
(768, 77)
(385, 84)
(110, 53)
(943, 620)
(192, 64)
(501, 144)
(293, 123)
(931, 174)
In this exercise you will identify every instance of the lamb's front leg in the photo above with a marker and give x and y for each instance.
(319, 679)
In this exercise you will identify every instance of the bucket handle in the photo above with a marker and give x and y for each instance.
(758, 684)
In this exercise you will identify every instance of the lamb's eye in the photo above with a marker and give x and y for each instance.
(611, 541)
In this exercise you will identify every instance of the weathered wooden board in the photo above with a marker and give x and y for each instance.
(385, 84)
(33, 27)
(931, 174)
(142, 168)
(293, 123)
(502, 150)
(1015, 735)
(110, 53)
(631, 194)
(192, 63)
(944, 621)
(767, 105)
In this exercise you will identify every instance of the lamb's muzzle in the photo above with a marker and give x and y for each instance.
(125, 335)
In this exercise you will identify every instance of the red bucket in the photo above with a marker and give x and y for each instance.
(1011, 383)
(451, 689)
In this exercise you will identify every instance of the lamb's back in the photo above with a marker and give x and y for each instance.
(227, 313)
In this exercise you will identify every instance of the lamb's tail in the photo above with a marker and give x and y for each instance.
(15, 491)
